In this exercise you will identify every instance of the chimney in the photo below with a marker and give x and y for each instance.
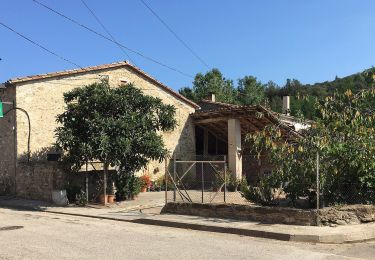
(286, 105)
(212, 97)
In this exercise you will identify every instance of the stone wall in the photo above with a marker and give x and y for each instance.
(331, 216)
(272, 215)
(37, 180)
(7, 145)
(344, 215)
(43, 99)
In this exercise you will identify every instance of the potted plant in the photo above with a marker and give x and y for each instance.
(81, 198)
(145, 182)
(111, 192)
(103, 199)
(232, 182)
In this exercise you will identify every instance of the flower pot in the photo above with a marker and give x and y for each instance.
(144, 189)
(111, 198)
(103, 199)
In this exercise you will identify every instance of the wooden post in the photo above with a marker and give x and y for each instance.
(174, 176)
(166, 180)
(87, 183)
(105, 171)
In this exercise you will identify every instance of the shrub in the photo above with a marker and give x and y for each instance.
(263, 194)
(145, 181)
(343, 137)
(127, 186)
(81, 198)
(72, 190)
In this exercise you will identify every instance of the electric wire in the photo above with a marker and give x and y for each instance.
(175, 34)
(109, 39)
(39, 45)
(106, 30)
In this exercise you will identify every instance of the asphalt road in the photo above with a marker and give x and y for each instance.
(38, 235)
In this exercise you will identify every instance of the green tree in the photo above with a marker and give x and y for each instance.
(344, 137)
(250, 91)
(211, 82)
(118, 126)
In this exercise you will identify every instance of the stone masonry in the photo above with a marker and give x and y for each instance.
(42, 97)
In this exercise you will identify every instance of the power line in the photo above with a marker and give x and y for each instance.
(106, 30)
(175, 34)
(109, 39)
(40, 46)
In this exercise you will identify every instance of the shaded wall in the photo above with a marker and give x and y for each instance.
(37, 180)
(7, 145)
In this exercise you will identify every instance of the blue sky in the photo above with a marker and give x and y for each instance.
(312, 41)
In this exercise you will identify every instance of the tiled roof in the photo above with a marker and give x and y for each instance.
(243, 112)
(98, 68)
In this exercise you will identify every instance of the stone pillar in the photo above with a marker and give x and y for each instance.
(234, 147)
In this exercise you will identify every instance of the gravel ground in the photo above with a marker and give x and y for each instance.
(38, 235)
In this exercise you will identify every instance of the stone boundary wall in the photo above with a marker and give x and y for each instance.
(332, 216)
(345, 215)
(36, 180)
(272, 215)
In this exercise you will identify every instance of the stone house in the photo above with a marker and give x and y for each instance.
(41, 96)
(209, 129)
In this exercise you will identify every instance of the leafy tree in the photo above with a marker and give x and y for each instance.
(188, 93)
(250, 91)
(117, 126)
(344, 137)
(211, 82)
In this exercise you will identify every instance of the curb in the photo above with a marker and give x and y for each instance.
(328, 239)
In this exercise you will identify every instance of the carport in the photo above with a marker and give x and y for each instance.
(221, 129)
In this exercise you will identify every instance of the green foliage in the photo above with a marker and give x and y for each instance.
(72, 190)
(344, 137)
(263, 194)
(250, 91)
(232, 182)
(118, 126)
(82, 198)
(160, 183)
(212, 82)
(127, 186)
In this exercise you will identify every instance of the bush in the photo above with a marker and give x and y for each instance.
(72, 190)
(263, 194)
(344, 138)
(145, 181)
(159, 183)
(81, 198)
(127, 186)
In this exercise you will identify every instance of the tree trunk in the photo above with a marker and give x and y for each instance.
(105, 172)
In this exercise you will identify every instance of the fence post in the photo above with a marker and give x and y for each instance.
(87, 182)
(174, 177)
(317, 181)
(166, 180)
(202, 183)
(225, 178)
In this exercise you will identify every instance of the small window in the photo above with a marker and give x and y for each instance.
(124, 81)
